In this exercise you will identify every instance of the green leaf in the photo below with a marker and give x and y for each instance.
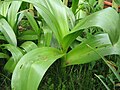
(12, 12)
(28, 35)
(101, 3)
(47, 35)
(15, 51)
(28, 46)
(8, 32)
(71, 18)
(54, 14)
(16, 55)
(83, 54)
(117, 1)
(4, 6)
(3, 55)
(10, 65)
(2, 38)
(20, 16)
(74, 5)
(101, 46)
(106, 19)
(32, 21)
(32, 66)
(109, 63)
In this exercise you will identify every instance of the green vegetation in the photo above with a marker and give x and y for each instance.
(45, 45)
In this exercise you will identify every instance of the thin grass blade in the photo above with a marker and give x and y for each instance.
(98, 76)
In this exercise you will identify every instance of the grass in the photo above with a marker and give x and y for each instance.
(78, 77)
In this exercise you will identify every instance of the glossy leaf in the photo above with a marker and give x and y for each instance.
(12, 12)
(15, 51)
(110, 64)
(28, 35)
(74, 5)
(4, 6)
(8, 32)
(20, 16)
(16, 55)
(47, 35)
(97, 19)
(54, 14)
(28, 46)
(83, 54)
(10, 65)
(71, 18)
(32, 66)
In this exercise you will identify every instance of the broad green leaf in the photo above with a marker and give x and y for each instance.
(10, 65)
(15, 51)
(20, 16)
(54, 14)
(12, 12)
(28, 35)
(16, 55)
(32, 21)
(83, 54)
(71, 18)
(32, 66)
(74, 5)
(28, 46)
(106, 19)
(4, 6)
(47, 35)
(8, 32)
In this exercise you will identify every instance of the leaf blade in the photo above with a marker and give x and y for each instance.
(8, 32)
(35, 64)
(106, 19)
